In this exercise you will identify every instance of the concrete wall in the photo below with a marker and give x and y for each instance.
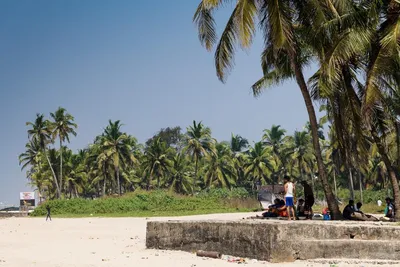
(278, 241)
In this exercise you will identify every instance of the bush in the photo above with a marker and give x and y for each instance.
(151, 202)
(369, 196)
(223, 193)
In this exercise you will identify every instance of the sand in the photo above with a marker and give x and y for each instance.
(102, 242)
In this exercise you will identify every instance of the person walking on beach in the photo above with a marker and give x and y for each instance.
(48, 213)
(289, 195)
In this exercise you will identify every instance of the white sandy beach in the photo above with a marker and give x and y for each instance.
(100, 242)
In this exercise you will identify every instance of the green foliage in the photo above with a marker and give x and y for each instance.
(146, 201)
(369, 196)
(223, 193)
(221, 175)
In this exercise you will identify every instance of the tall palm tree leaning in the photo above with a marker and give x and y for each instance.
(198, 144)
(62, 126)
(283, 56)
(41, 132)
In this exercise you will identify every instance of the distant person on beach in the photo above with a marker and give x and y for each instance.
(272, 210)
(326, 214)
(389, 210)
(48, 213)
(309, 200)
(348, 210)
(358, 207)
(358, 215)
(289, 197)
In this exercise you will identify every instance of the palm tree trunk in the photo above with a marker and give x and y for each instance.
(330, 198)
(195, 175)
(397, 127)
(313, 186)
(391, 172)
(361, 187)
(149, 181)
(334, 181)
(61, 165)
(351, 184)
(105, 181)
(118, 181)
(54, 174)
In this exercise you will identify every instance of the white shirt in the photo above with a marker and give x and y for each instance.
(289, 192)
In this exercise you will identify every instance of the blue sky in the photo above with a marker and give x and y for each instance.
(136, 61)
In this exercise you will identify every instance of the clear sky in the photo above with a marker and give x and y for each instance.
(136, 61)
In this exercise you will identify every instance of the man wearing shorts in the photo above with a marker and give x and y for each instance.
(289, 194)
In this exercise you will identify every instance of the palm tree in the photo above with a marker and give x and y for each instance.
(62, 126)
(41, 132)
(258, 164)
(181, 176)
(198, 144)
(302, 151)
(238, 144)
(157, 161)
(274, 138)
(31, 156)
(117, 148)
(361, 38)
(284, 55)
(219, 170)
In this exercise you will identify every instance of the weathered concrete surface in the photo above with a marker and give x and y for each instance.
(278, 241)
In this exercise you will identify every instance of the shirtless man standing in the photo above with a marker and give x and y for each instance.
(289, 195)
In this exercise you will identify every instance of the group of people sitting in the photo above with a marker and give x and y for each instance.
(279, 209)
(351, 212)
(286, 208)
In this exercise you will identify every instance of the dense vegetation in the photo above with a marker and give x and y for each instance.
(154, 203)
(184, 163)
(356, 45)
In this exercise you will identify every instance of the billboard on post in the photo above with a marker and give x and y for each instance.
(27, 198)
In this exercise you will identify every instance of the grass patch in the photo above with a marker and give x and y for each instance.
(153, 203)
(141, 214)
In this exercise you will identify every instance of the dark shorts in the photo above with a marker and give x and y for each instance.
(289, 201)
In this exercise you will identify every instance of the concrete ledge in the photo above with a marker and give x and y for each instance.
(278, 241)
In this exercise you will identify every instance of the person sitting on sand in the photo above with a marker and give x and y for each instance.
(326, 214)
(389, 210)
(282, 211)
(272, 210)
(358, 215)
(348, 210)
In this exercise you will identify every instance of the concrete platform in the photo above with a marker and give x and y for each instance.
(279, 241)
